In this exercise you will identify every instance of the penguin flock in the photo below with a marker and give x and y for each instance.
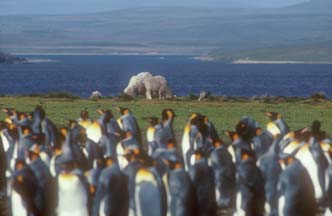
(105, 167)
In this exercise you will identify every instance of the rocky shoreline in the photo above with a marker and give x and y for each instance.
(6, 58)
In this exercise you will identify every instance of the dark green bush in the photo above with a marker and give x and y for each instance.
(66, 95)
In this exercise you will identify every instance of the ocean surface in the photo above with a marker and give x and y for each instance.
(81, 75)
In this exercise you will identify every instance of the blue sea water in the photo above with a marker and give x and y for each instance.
(81, 75)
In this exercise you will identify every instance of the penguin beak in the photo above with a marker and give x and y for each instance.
(100, 111)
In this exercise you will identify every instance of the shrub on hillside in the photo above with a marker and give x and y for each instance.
(317, 96)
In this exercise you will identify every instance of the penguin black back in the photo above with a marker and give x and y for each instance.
(269, 165)
(224, 175)
(112, 196)
(250, 186)
(296, 191)
(202, 177)
(183, 201)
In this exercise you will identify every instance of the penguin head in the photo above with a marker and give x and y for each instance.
(30, 115)
(105, 115)
(259, 131)
(247, 156)
(246, 128)
(167, 114)
(40, 112)
(33, 152)
(67, 165)
(152, 121)
(273, 115)
(131, 153)
(128, 134)
(173, 162)
(199, 122)
(315, 127)
(9, 111)
(66, 159)
(232, 135)
(199, 154)
(38, 138)
(217, 143)
(77, 131)
(300, 135)
(316, 130)
(26, 130)
(19, 164)
(171, 144)
(192, 116)
(108, 161)
(286, 159)
(12, 131)
(197, 119)
(123, 110)
(84, 114)
(22, 116)
(3, 125)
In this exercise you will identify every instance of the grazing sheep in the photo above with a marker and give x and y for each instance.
(95, 95)
(135, 86)
(157, 87)
(150, 86)
(203, 95)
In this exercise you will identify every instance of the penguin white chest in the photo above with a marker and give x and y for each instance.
(18, 208)
(309, 163)
(72, 195)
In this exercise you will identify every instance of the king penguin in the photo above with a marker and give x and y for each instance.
(151, 133)
(195, 136)
(128, 122)
(202, 177)
(44, 178)
(41, 124)
(131, 169)
(112, 196)
(181, 197)
(250, 198)
(262, 142)
(317, 137)
(148, 193)
(295, 188)
(224, 175)
(26, 196)
(167, 119)
(269, 165)
(72, 193)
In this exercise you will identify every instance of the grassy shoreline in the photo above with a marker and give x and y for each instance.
(224, 114)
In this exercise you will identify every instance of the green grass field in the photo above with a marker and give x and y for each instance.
(224, 115)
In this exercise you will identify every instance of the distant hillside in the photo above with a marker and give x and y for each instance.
(314, 6)
(11, 59)
(178, 30)
(318, 52)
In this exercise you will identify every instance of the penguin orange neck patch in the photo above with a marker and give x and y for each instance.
(245, 157)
